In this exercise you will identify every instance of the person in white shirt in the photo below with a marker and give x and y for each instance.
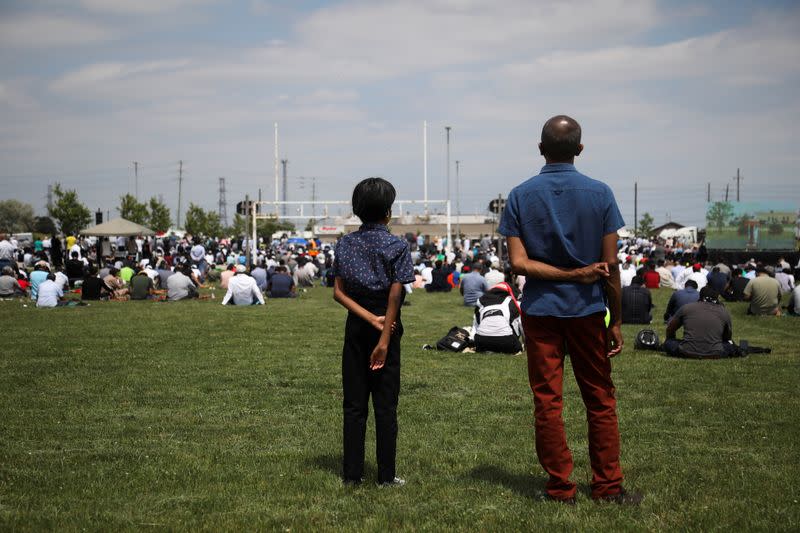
(696, 273)
(494, 276)
(627, 273)
(243, 289)
(8, 251)
(794, 300)
(785, 279)
(50, 294)
(62, 280)
(427, 273)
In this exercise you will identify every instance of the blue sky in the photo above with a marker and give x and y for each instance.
(672, 95)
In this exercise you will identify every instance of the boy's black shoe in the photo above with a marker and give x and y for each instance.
(352, 482)
(623, 498)
(565, 501)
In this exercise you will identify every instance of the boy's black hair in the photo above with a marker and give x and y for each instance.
(373, 199)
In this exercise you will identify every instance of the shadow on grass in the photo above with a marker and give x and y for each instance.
(332, 462)
(523, 484)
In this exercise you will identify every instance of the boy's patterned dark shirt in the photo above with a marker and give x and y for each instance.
(370, 260)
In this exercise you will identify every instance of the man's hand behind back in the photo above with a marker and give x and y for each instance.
(591, 273)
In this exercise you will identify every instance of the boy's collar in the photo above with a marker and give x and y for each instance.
(373, 226)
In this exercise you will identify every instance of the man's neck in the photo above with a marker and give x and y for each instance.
(570, 161)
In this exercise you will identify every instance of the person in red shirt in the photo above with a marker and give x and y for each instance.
(652, 279)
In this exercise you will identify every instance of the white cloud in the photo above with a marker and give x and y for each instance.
(98, 74)
(139, 7)
(46, 31)
(762, 54)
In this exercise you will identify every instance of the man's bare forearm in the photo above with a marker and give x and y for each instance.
(521, 264)
(538, 270)
(613, 289)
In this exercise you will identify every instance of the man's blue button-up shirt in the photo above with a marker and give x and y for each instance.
(561, 216)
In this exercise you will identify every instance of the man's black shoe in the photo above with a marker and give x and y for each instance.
(352, 482)
(623, 498)
(565, 501)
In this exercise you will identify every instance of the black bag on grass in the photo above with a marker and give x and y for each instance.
(647, 339)
(455, 341)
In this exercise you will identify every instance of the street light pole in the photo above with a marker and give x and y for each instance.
(458, 203)
(447, 130)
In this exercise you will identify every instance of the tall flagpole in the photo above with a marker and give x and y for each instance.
(425, 163)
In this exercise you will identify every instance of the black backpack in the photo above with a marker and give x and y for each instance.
(647, 339)
(455, 341)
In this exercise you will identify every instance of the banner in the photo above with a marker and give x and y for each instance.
(752, 226)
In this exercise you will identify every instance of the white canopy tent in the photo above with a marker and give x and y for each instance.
(119, 227)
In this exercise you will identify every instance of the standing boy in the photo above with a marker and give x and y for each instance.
(371, 265)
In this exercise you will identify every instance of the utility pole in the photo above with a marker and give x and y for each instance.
(458, 203)
(728, 186)
(314, 198)
(635, 208)
(180, 190)
(247, 228)
(447, 130)
(136, 178)
(276, 162)
(738, 179)
(223, 203)
(284, 162)
(708, 192)
(49, 198)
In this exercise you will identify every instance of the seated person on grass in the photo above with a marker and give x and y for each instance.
(281, 284)
(736, 287)
(794, 299)
(74, 268)
(50, 294)
(680, 298)
(497, 321)
(473, 285)
(180, 286)
(636, 303)
(142, 287)
(9, 285)
(439, 281)
(764, 294)
(93, 288)
(115, 285)
(707, 329)
(243, 289)
(39, 274)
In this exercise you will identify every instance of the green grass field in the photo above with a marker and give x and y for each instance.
(140, 415)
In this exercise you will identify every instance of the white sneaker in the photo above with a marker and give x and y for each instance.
(396, 482)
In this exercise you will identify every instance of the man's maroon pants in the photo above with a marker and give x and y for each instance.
(547, 340)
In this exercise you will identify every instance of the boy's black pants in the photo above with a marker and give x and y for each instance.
(358, 383)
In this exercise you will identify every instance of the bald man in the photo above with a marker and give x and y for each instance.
(561, 228)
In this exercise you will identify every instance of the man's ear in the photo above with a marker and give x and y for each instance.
(541, 152)
(579, 150)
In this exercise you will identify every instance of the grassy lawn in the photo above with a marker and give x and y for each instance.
(142, 415)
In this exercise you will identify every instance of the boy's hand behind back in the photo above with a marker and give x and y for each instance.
(378, 357)
(379, 322)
